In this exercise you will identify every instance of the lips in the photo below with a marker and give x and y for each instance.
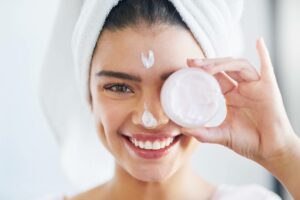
(150, 146)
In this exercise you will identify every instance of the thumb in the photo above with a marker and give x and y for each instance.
(214, 135)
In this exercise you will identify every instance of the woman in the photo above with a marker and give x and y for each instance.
(152, 162)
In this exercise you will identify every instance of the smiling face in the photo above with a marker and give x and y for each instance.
(120, 88)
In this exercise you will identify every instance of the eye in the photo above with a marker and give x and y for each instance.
(118, 88)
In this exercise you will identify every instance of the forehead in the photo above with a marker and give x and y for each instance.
(122, 49)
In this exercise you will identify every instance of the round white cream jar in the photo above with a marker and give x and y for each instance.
(192, 98)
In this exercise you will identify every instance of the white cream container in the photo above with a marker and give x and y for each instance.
(192, 98)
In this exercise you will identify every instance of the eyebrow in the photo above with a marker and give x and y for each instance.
(126, 76)
(120, 75)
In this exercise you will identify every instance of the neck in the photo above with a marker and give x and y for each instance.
(184, 184)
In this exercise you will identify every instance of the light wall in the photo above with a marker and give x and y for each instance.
(288, 30)
(29, 155)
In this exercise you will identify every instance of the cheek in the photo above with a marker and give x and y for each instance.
(189, 145)
(110, 116)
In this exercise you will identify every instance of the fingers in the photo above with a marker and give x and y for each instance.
(237, 69)
(235, 76)
(210, 61)
(266, 69)
(225, 82)
(241, 67)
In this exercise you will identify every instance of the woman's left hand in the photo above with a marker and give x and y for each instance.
(256, 125)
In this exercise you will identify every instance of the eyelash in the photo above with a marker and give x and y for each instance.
(118, 88)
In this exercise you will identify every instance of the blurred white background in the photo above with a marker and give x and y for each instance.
(29, 155)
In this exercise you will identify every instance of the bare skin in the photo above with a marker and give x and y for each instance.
(167, 189)
(256, 127)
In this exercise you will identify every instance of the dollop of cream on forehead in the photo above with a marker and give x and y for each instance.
(148, 119)
(148, 60)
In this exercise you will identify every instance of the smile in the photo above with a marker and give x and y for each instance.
(157, 144)
(151, 146)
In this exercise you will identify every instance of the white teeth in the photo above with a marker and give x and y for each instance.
(141, 144)
(157, 144)
(148, 145)
(169, 141)
(134, 141)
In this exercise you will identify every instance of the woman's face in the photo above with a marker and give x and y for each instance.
(122, 88)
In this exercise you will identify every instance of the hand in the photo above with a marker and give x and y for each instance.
(256, 125)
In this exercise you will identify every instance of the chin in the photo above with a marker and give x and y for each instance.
(152, 173)
(150, 177)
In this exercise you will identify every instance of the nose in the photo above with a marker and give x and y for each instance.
(149, 113)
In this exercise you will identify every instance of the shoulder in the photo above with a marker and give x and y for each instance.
(245, 192)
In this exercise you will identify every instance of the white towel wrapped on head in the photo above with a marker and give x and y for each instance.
(214, 23)
(63, 88)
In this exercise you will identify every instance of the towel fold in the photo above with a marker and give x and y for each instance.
(63, 88)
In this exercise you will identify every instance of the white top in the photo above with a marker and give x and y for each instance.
(230, 192)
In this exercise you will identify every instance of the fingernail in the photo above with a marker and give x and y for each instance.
(261, 40)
